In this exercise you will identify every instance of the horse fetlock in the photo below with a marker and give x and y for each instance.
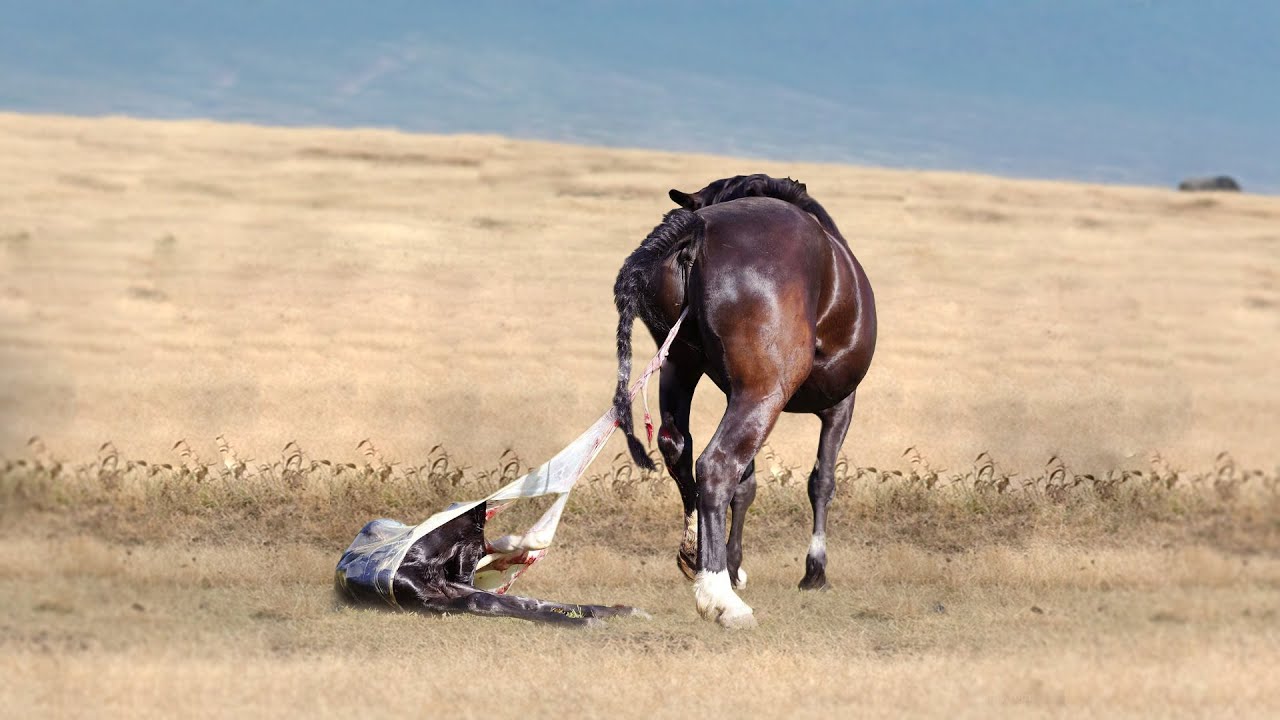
(818, 548)
(716, 600)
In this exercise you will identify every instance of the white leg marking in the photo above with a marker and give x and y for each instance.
(717, 601)
(818, 546)
(742, 579)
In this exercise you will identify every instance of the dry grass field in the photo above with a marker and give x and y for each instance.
(96, 630)
(449, 298)
(164, 280)
(1062, 621)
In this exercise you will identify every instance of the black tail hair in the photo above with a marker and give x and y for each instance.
(631, 294)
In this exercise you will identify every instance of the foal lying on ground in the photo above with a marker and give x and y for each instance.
(437, 575)
(444, 564)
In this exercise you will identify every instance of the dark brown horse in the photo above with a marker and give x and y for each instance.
(782, 319)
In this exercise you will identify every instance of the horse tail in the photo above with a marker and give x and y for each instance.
(679, 228)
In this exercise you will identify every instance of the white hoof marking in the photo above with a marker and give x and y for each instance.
(717, 601)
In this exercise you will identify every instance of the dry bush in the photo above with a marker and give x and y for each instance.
(300, 497)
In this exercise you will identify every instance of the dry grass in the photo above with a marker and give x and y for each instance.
(302, 498)
(170, 279)
(1053, 629)
(136, 589)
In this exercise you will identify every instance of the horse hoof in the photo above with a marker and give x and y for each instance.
(818, 583)
(687, 564)
(740, 581)
(738, 621)
(638, 613)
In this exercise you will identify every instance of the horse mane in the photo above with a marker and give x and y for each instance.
(760, 185)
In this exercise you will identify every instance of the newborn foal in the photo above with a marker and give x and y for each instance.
(437, 575)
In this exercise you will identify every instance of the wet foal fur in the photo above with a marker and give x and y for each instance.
(782, 319)
(437, 573)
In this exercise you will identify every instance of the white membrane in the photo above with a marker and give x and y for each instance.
(373, 559)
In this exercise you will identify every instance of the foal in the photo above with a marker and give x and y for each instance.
(437, 572)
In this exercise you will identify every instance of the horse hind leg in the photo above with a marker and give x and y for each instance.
(746, 423)
(822, 483)
(743, 496)
(675, 396)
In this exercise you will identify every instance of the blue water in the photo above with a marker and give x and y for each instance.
(1113, 91)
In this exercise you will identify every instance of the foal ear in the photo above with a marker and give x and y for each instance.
(684, 200)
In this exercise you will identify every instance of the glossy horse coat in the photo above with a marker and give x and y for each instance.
(781, 318)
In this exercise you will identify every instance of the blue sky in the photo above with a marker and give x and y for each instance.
(1114, 91)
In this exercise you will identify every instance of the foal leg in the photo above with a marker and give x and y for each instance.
(464, 598)
(608, 611)
(822, 485)
(742, 499)
(679, 378)
(742, 431)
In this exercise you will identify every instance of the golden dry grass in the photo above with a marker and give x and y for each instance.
(140, 594)
(1047, 630)
(182, 279)
(300, 498)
